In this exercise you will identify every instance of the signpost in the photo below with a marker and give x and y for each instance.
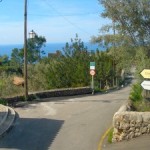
(92, 73)
(146, 73)
(92, 65)
(146, 85)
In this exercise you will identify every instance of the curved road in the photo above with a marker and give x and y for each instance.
(66, 123)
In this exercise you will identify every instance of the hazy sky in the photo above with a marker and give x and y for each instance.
(57, 20)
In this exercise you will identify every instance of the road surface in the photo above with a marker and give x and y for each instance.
(66, 123)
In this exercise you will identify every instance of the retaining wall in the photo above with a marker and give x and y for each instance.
(51, 93)
(129, 124)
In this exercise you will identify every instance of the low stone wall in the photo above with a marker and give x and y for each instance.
(50, 93)
(129, 124)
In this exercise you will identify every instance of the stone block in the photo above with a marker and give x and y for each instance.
(143, 130)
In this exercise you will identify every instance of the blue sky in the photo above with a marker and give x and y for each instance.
(57, 20)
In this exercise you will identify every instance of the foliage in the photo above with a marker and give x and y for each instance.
(131, 18)
(141, 106)
(4, 60)
(69, 68)
(37, 79)
(136, 93)
(131, 33)
(104, 67)
(33, 51)
(6, 86)
(17, 57)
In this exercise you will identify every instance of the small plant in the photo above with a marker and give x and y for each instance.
(141, 106)
(136, 93)
(110, 135)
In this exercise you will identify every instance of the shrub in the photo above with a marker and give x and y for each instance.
(7, 87)
(136, 93)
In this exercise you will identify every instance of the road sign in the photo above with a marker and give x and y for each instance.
(92, 65)
(92, 72)
(146, 73)
(146, 85)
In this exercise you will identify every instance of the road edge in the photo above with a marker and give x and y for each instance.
(103, 137)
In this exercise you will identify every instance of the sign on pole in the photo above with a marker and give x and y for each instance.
(146, 73)
(92, 65)
(92, 72)
(146, 85)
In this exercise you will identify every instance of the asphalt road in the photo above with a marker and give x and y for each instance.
(72, 123)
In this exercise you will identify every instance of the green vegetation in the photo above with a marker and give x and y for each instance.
(67, 68)
(130, 41)
(127, 47)
(138, 101)
(136, 93)
(110, 135)
(141, 106)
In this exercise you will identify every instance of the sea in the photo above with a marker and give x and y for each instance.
(49, 48)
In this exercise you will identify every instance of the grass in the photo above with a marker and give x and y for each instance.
(141, 106)
(110, 135)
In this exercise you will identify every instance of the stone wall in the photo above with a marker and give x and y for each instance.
(129, 124)
(50, 93)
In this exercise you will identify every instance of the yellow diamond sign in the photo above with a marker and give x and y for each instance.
(146, 73)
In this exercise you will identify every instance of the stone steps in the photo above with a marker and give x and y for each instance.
(7, 117)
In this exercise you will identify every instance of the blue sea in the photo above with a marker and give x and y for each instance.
(49, 48)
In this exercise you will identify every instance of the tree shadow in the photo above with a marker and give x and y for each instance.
(31, 134)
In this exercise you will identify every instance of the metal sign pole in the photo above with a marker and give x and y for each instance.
(92, 73)
(92, 85)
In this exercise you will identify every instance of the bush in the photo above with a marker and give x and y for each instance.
(136, 93)
(7, 87)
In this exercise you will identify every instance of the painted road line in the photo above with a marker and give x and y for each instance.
(102, 138)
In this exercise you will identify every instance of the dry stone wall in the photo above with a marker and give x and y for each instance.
(129, 124)
(50, 93)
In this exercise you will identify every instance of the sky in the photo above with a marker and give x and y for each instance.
(57, 20)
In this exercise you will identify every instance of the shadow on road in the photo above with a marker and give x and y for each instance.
(31, 134)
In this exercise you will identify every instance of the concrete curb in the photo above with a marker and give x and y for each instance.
(7, 121)
(4, 113)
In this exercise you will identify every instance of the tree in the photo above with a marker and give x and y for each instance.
(128, 32)
(34, 51)
(104, 69)
(4, 60)
(132, 19)
(70, 68)
(77, 60)
(34, 48)
(17, 57)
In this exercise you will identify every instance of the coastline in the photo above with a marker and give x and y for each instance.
(49, 48)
